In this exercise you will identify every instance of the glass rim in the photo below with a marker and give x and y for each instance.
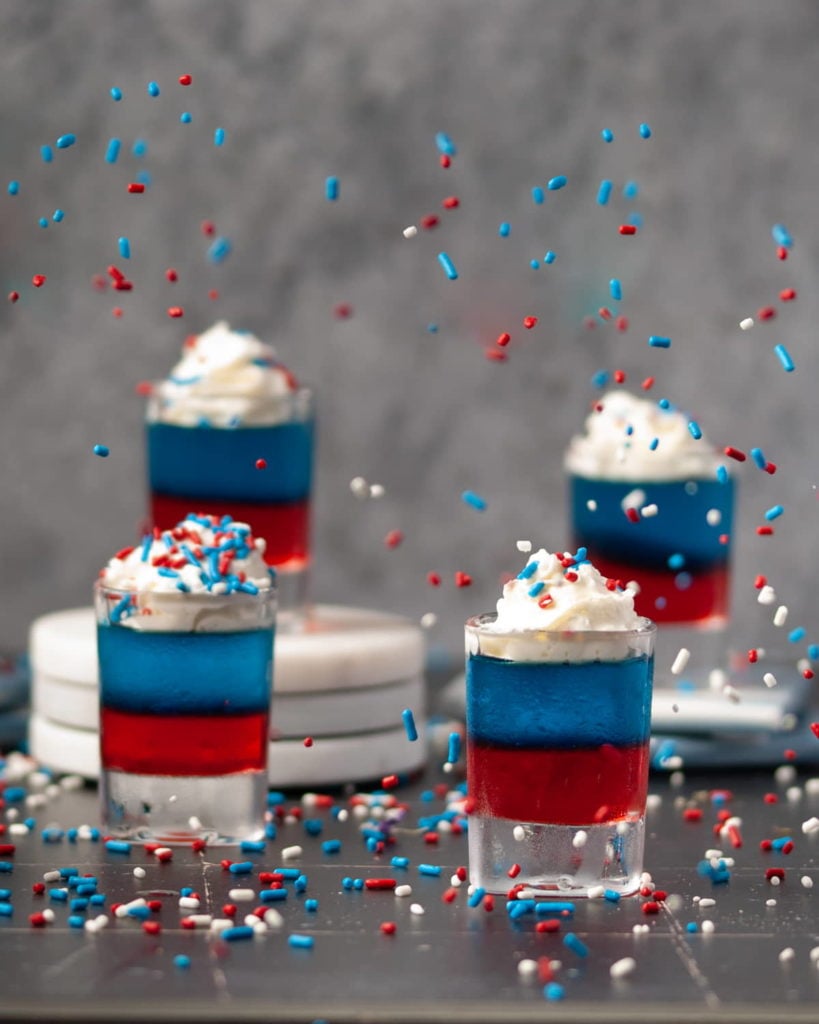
(101, 587)
(477, 623)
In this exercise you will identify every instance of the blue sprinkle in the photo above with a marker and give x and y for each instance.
(433, 870)
(153, 89)
(691, 927)
(13, 188)
(784, 358)
(331, 189)
(694, 430)
(301, 941)
(346, 882)
(52, 835)
(102, 450)
(116, 94)
(241, 867)
(722, 475)
(219, 249)
(65, 141)
(58, 895)
(219, 137)
(43, 222)
(503, 230)
(657, 342)
(611, 895)
(476, 898)
(454, 748)
(607, 135)
(311, 906)
(519, 908)
(242, 931)
(186, 117)
(774, 513)
(636, 219)
(269, 830)
(117, 846)
(615, 290)
(759, 457)
(676, 561)
(399, 862)
(528, 571)
(96, 899)
(57, 216)
(313, 826)
(47, 154)
(75, 921)
(683, 580)
(141, 913)
(272, 895)
(813, 652)
(653, 444)
(645, 131)
(534, 264)
(777, 844)
(550, 257)
(331, 846)
(554, 992)
(475, 500)
(538, 195)
(558, 182)
(124, 247)
(181, 962)
(140, 147)
(604, 192)
(409, 724)
(14, 794)
(186, 890)
(5, 895)
(147, 541)
(571, 941)
(630, 190)
(782, 236)
(600, 379)
(796, 635)
(536, 588)
(432, 328)
(448, 265)
(112, 152)
(550, 908)
(288, 873)
(6, 867)
(445, 144)
(252, 845)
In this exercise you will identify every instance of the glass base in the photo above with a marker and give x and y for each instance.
(221, 809)
(556, 860)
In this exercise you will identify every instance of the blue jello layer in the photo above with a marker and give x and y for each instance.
(185, 673)
(680, 526)
(217, 462)
(537, 704)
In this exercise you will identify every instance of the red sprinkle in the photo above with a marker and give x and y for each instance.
(529, 322)
(450, 895)
(185, 79)
(814, 728)
(692, 814)
(735, 453)
(647, 384)
(489, 903)
(753, 656)
(213, 294)
(660, 895)
(431, 838)
(308, 741)
(514, 871)
(393, 539)
(14, 296)
(433, 579)
(343, 311)
(38, 888)
(790, 755)
(261, 464)
(621, 323)
(164, 856)
(7, 849)
(552, 925)
(496, 355)
(786, 849)
(388, 927)
(379, 883)
(503, 339)
(451, 203)
(171, 275)
(770, 468)
(771, 798)
(604, 313)
(389, 782)
(152, 927)
(651, 907)
(208, 227)
(807, 673)
(781, 252)
(37, 920)
(627, 229)
(774, 873)
(766, 845)
(38, 280)
(632, 515)
(766, 313)
(429, 221)
(229, 909)
(175, 312)
(461, 874)
(136, 187)
(462, 579)
(787, 294)
(764, 531)
(619, 376)
(760, 581)
(445, 160)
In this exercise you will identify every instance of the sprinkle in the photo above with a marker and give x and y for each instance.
(553, 991)
(784, 358)
(65, 141)
(186, 117)
(645, 131)
(219, 249)
(47, 154)
(615, 290)
(174, 312)
(409, 724)
(796, 635)
(787, 294)
(445, 144)
(534, 264)
(475, 500)
(747, 323)
(759, 458)
(630, 190)
(448, 266)
(781, 236)
(291, 852)
(769, 679)
(538, 195)
(185, 79)
(13, 188)
(572, 942)
(124, 248)
(504, 229)
(627, 229)
(781, 615)
(112, 152)
(102, 450)
(135, 188)
(555, 183)
(117, 846)
(410, 232)
(680, 661)
(453, 748)
(579, 840)
(603, 192)
(153, 89)
(116, 94)
(43, 222)
(622, 968)
(550, 257)
(57, 216)
(655, 341)
(607, 135)
(694, 430)
(331, 189)
(219, 137)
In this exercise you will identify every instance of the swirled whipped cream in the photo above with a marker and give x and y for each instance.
(553, 597)
(225, 378)
(632, 438)
(201, 576)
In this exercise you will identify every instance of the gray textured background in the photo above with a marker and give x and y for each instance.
(358, 89)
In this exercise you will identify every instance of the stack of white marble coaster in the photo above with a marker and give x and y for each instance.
(341, 682)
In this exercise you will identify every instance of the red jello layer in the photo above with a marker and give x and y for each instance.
(183, 744)
(285, 526)
(559, 787)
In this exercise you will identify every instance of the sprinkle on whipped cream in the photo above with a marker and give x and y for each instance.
(632, 438)
(201, 555)
(227, 379)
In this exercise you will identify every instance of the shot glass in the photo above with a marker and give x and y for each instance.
(259, 473)
(557, 757)
(184, 713)
(672, 537)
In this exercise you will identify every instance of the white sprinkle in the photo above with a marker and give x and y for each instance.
(428, 620)
(634, 499)
(622, 968)
(204, 920)
(38, 780)
(647, 511)
(218, 924)
(242, 895)
(812, 786)
(417, 909)
(18, 828)
(189, 903)
(646, 878)
(343, 814)
(377, 491)
(70, 782)
(591, 505)
(707, 927)
(403, 890)
(410, 232)
(770, 903)
(807, 881)
(123, 908)
(814, 955)
(524, 546)
(527, 894)
(713, 516)
(793, 794)
(640, 929)
(272, 918)
(95, 924)
(787, 954)
(139, 872)
(527, 968)
(48, 914)
(781, 615)
(706, 902)
(36, 800)
(455, 882)
(518, 833)
(767, 595)
(680, 661)
(811, 825)
(51, 876)
(653, 801)
(731, 693)
(360, 487)
(579, 839)
(595, 892)
(52, 791)
(633, 587)
(784, 774)
(676, 778)
(291, 852)
(775, 880)
(769, 679)
(747, 323)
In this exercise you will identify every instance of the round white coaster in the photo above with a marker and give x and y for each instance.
(328, 762)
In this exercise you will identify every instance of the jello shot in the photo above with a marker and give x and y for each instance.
(558, 710)
(231, 431)
(185, 642)
(652, 502)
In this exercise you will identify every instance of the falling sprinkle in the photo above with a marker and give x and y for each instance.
(332, 189)
(102, 450)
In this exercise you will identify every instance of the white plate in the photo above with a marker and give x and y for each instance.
(294, 715)
(329, 762)
(336, 648)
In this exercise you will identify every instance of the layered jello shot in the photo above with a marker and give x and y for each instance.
(558, 709)
(185, 643)
(652, 502)
(232, 432)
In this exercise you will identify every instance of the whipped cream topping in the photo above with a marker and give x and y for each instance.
(200, 576)
(552, 597)
(631, 438)
(225, 378)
